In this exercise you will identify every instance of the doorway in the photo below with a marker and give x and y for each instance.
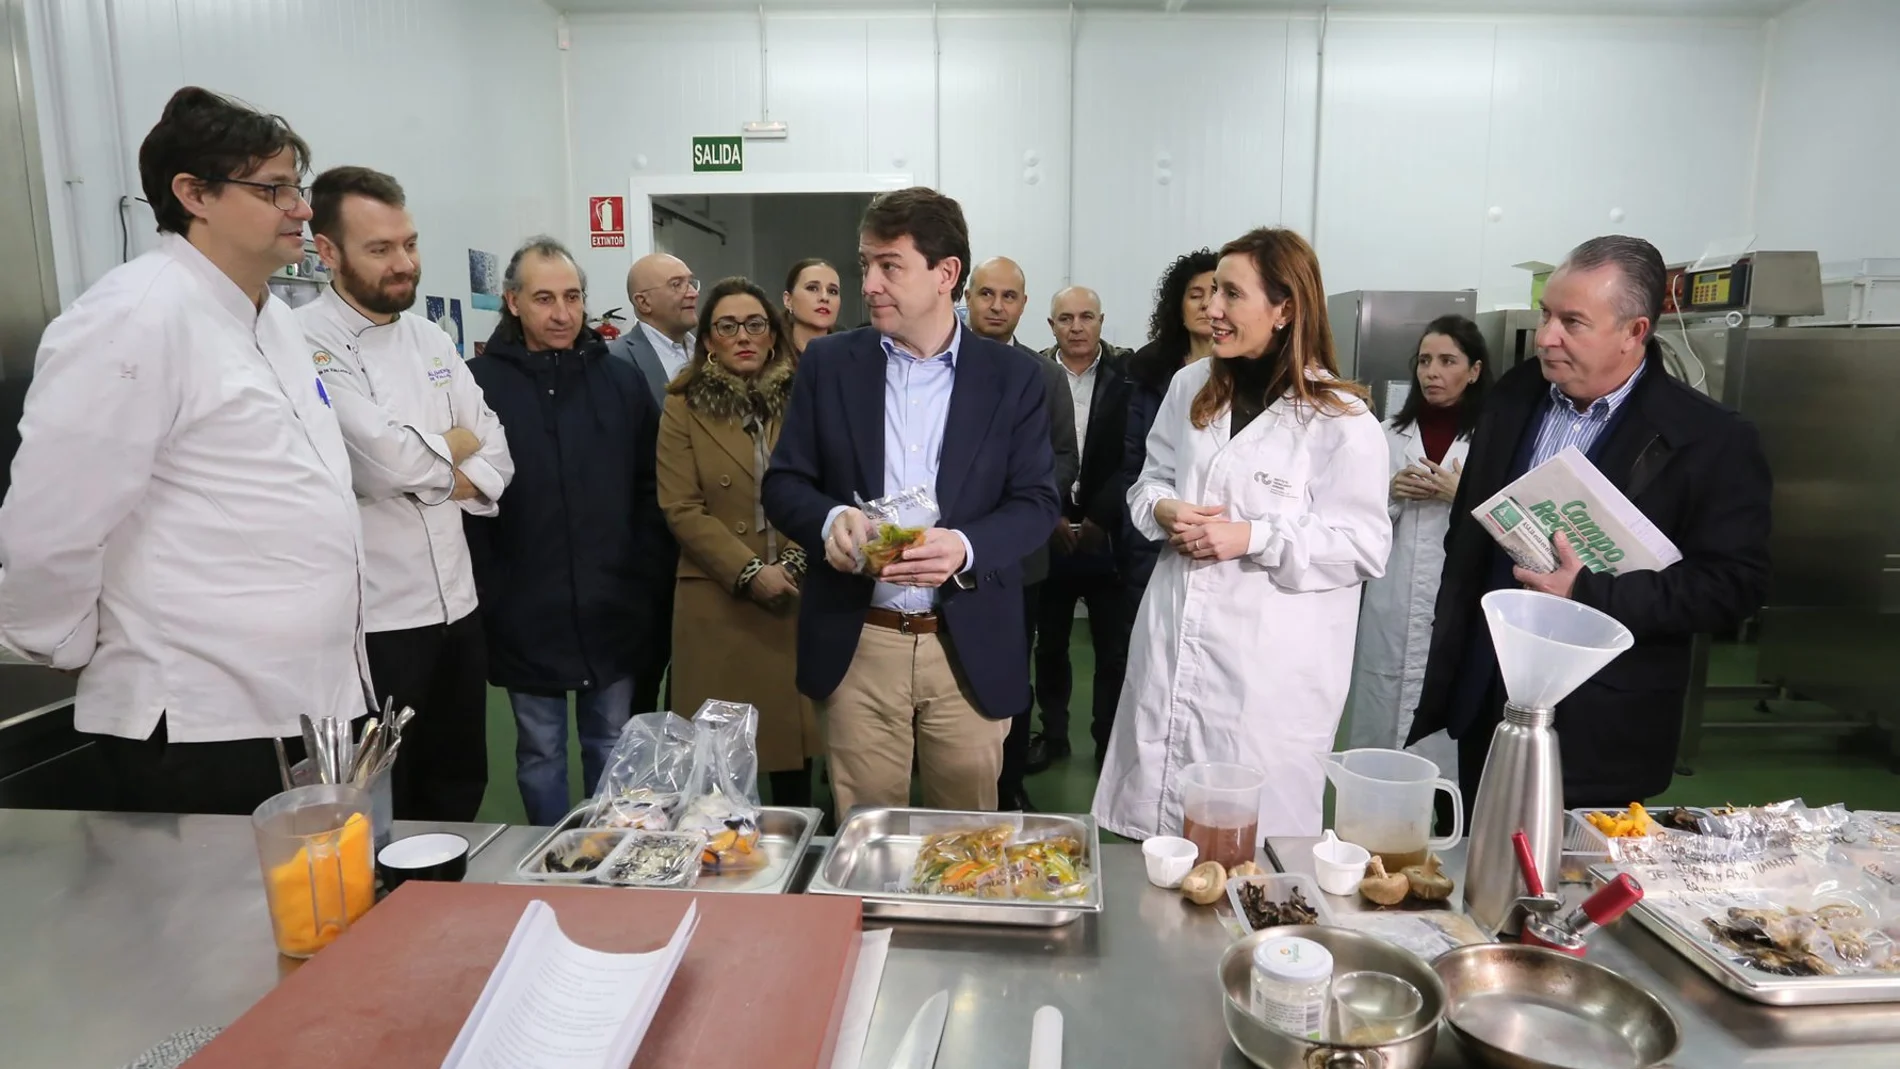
(760, 236)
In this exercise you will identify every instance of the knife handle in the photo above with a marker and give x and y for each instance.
(1045, 1039)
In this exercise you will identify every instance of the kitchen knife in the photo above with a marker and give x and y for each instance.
(918, 1048)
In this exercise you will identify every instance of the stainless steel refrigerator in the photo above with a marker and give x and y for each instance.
(1376, 333)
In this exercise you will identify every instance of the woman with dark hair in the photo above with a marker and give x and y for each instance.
(735, 618)
(811, 301)
(1266, 473)
(1426, 443)
(1179, 334)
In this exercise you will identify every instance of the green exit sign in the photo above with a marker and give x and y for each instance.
(718, 154)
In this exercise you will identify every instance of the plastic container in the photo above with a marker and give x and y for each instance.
(1292, 980)
(1220, 811)
(601, 842)
(1383, 802)
(680, 869)
(1169, 860)
(1339, 865)
(314, 849)
(1280, 886)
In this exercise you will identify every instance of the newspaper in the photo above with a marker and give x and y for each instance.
(1567, 493)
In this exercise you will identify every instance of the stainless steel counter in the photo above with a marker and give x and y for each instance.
(1718, 1029)
(119, 929)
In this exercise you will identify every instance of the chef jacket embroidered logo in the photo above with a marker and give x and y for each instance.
(1276, 485)
(322, 359)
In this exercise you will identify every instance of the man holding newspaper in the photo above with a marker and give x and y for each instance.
(1596, 476)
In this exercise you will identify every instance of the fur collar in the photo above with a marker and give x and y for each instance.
(719, 394)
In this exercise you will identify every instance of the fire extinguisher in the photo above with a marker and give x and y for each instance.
(604, 324)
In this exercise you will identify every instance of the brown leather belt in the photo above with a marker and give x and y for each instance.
(909, 623)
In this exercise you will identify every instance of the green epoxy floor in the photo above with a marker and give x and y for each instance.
(1761, 764)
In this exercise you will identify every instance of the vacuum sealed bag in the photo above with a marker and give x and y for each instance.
(722, 796)
(646, 775)
(898, 521)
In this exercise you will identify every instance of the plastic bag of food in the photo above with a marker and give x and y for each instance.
(646, 775)
(897, 521)
(1049, 866)
(971, 861)
(722, 795)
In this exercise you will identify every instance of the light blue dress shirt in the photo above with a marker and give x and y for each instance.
(1563, 426)
(916, 410)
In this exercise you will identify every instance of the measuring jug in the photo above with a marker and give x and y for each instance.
(1383, 802)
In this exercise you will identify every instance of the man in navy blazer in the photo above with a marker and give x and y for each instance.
(933, 652)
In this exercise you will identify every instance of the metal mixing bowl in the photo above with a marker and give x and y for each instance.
(1271, 1048)
(1506, 1000)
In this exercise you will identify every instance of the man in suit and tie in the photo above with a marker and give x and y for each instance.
(930, 657)
(998, 293)
(664, 296)
(1082, 564)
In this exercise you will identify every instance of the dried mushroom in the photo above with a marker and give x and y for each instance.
(1428, 882)
(1205, 884)
(1265, 912)
(1383, 888)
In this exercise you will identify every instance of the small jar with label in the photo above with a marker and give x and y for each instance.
(1291, 979)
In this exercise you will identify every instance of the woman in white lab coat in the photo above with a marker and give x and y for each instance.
(1427, 441)
(1266, 474)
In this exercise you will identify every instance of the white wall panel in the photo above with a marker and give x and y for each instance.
(1005, 144)
(459, 99)
(1656, 121)
(1406, 123)
(1173, 153)
(1830, 150)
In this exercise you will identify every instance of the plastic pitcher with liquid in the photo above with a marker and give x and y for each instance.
(1383, 802)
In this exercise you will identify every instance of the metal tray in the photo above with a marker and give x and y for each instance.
(784, 833)
(1753, 984)
(876, 848)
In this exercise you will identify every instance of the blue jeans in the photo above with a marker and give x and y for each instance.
(541, 744)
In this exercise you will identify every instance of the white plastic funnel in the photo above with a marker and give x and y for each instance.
(1547, 646)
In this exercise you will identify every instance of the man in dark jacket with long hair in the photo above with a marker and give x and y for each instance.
(567, 571)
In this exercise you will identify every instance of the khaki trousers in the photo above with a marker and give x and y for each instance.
(903, 691)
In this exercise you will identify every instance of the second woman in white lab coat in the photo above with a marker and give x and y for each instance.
(1427, 441)
(1266, 474)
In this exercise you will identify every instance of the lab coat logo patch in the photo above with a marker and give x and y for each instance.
(1277, 485)
(322, 359)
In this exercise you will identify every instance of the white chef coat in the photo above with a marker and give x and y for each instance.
(397, 388)
(181, 524)
(1395, 623)
(1247, 660)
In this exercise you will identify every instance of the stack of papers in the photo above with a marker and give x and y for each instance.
(553, 1004)
(1567, 493)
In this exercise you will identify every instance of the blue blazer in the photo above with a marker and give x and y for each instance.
(996, 484)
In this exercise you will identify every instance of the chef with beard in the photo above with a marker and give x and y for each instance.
(424, 449)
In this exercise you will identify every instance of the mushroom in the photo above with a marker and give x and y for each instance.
(1245, 868)
(1428, 881)
(1382, 888)
(1205, 884)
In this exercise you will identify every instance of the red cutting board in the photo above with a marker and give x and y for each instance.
(763, 982)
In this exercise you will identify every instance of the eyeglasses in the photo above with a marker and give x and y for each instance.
(284, 197)
(729, 327)
(677, 285)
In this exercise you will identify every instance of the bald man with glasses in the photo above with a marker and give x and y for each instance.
(664, 296)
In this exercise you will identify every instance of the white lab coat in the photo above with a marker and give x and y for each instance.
(181, 525)
(397, 388)
(1247, 660)
(1395, 623)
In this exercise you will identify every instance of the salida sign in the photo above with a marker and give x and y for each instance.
(718, 154)
(607, 222)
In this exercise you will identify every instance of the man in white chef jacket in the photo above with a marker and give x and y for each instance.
(424, 448)
(181, 529)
